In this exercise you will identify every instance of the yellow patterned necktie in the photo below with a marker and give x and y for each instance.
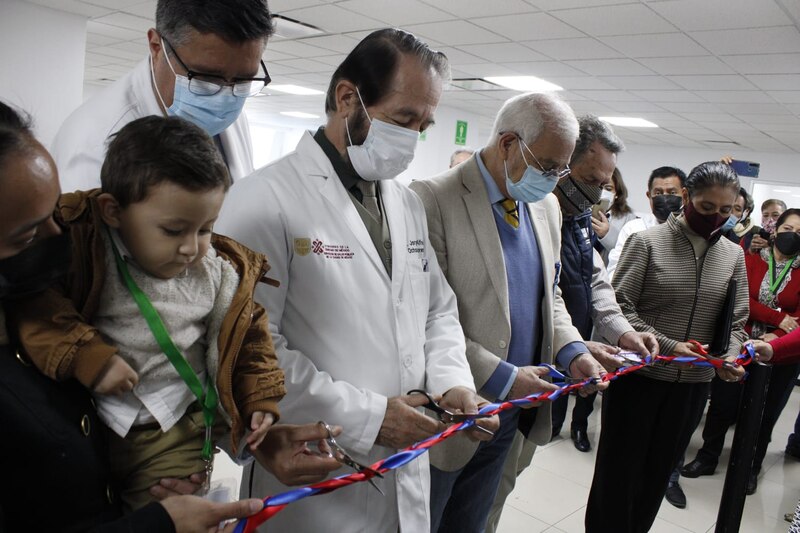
(512, 214)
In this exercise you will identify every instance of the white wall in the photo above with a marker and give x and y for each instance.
(637, 161)
(42, 53)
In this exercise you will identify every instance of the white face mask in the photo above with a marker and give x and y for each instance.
(386, 152)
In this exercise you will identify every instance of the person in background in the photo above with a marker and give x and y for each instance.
(620, 213)
(496, 232)
(59, 446)
(584, 282)
(363, 314)
(659, 294)
(744, 226)
(770, 211)
(774, 286)
(666, 192)
(204, 61)
(460, 155)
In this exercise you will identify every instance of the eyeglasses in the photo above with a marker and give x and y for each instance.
(553, 173)
(210, 84)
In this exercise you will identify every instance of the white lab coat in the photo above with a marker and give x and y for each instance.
(79, 147)
(347, 336)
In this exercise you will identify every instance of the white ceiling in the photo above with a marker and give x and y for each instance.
(703, 70)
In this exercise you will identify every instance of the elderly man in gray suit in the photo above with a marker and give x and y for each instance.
(496, 231)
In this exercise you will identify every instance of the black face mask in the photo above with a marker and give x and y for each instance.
(664, 204)
(788, 243)
(576, 197)
(35, 268)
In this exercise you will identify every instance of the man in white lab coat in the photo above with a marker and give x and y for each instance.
(363, 313)
(205, 60)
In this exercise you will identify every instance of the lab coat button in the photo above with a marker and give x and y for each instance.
(407, 361)
(502, 344)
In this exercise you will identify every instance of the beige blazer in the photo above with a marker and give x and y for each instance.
(463, 232)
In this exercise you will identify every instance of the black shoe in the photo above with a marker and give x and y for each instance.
(698, 468)
(580, 439)
(675, 496)
(752, 483)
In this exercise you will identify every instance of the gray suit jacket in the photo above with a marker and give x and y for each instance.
(463, 232)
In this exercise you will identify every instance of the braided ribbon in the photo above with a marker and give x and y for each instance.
(274, 504)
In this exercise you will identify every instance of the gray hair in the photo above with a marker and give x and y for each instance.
(709, 174)
(593, 129)
(528, 114)
(235, 21)
(469, 151)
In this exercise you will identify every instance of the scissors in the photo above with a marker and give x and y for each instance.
(343, 457)
(448, 417)
(557, 375)
(713, 361)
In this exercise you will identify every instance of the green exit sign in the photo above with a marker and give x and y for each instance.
(461, 132)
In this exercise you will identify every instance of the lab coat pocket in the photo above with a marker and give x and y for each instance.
(420, 293)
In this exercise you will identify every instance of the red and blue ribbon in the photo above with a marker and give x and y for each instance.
(274, 504)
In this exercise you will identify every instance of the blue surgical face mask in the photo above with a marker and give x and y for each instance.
(729, 224)
(212, 113)
(533, 186)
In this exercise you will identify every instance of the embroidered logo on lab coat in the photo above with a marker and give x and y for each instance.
(416, 246)
(302, 246)
(332, 251)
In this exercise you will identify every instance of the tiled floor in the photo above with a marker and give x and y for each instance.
(551, 494)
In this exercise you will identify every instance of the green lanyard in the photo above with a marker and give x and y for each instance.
(208, 400)
(775, 283)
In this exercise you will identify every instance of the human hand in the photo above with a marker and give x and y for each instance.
(585, 366)
(687, 349)
(731, 374)
(643, 343)
(767, 337)
(260, 423)
(788, 324)
(403, 425)
(463, 400)
(529, 381)
(600, 224)
(117, 377)
(758, 243)
(169, 487)
(285, 452)
(191, 514)
(763, 351)
(605, 355)
(726, 159)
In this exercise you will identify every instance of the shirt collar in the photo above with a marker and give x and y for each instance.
(491, 186)
(344, 169)
(121, 248)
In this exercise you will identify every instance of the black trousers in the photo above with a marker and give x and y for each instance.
(580, 413)
(645, 423)
(724, 410)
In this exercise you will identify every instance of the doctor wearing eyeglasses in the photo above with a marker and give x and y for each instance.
(204, 62)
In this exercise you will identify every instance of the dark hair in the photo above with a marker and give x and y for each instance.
(748, 200)
(371, 65)
(593, 129)
(767, 203)
(709, 174)
(15, 131)
(235, 21)
(666, 172)
(153, 150)
(620, 205)
(786, 214)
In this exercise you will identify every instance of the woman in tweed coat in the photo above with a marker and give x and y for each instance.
(671, 281)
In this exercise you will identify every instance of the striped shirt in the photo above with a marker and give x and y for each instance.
(664, 287)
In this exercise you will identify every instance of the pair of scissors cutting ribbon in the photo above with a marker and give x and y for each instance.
(449, 417)
(343, 457)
